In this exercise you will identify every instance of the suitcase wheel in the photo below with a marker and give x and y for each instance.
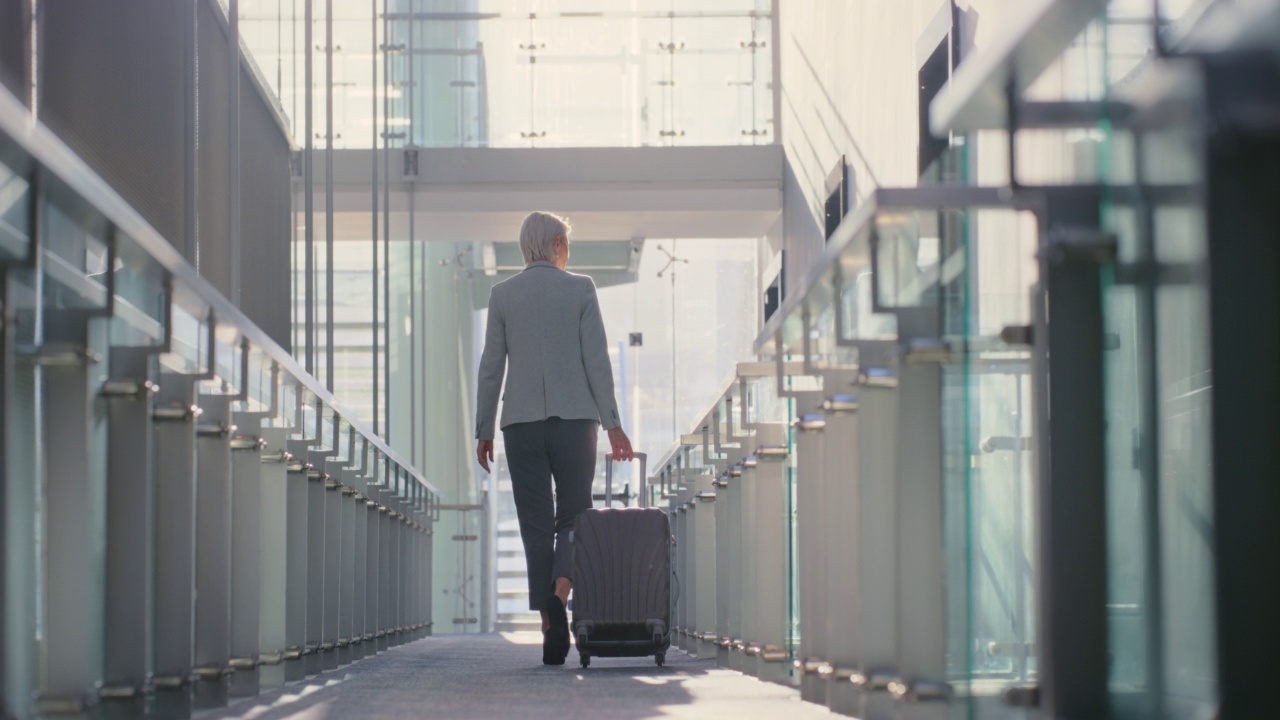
(660, 658)
(585, 660)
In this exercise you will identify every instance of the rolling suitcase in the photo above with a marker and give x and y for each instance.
(622, 578)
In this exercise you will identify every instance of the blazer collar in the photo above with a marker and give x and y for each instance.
(541, 263)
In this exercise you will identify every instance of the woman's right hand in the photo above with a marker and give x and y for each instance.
(621, 444)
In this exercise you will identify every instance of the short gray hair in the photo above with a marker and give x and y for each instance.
(538, 235)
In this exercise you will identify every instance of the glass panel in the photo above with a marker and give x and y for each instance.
(858, 318)
(140, 296)
(1158, 393)
(75, 256)
(1185, 505)
(308, 426)
(987, 461)
(273, 32)
(1127, 469)
(261, 392)
(517, 73)
(907, 247)
(188, 353)
(290, 406)
(15, 214)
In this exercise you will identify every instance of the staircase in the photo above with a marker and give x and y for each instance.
(513, 583)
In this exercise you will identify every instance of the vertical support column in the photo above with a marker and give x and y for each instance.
(872, 642)
(684, 620)
(408, 557)
(130, 487)
(772, 557)
(347, 581)
(130, 496)
(408, 580)
(1072, 588)
(735, 561)
(395, 544)
(360, 555)
(213, 552)
(297, 559)
(372, 561)
(689, 583)
(750, 644)
(421, 568)
(920, 688)
(812, 556)
(428, 568)
(332, 562)
(386, 553)
(175, 548)
(705, 578)
(274, 557)
(246, 553)
(18, 403)
(75, 505)
(1243, 174)
(724, 550)
(316, 529)
(679, 517)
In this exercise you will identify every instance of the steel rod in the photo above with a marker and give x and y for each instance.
(233, 177)
(373, 211)
(386, 223)
(308, 199)
(328, 195)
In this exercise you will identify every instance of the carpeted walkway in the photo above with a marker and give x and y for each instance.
(501, 676)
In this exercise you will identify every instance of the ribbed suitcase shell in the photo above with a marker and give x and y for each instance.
(622, 582)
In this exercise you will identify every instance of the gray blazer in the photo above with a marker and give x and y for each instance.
(547, 321)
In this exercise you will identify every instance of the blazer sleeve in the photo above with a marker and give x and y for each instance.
(493, 366)
(595, 359)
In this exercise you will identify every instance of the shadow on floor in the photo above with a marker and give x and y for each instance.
(501, 676)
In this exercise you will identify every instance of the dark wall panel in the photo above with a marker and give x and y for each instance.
(266, 206)
(13, 62)
(213, 158)
(111, 86)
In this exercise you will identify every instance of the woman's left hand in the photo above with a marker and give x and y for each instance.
(621, 445)
(484, 453)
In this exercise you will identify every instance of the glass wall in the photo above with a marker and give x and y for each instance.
(523, 73)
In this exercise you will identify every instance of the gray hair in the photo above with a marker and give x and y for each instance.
(538, 235)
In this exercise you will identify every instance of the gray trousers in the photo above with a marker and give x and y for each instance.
(538, 453)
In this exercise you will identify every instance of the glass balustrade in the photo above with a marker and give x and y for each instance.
(152, 423)
(914, 349)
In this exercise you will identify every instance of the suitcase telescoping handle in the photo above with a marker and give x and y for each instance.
(608, 479)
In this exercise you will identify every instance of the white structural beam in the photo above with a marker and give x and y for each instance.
(480, 195)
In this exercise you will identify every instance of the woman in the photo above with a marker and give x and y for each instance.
(545, 324)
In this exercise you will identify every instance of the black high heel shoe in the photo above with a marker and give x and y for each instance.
(555, 644)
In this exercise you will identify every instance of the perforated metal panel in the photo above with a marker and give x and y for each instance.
(111, 86)
(264, 218)
(213, 159)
